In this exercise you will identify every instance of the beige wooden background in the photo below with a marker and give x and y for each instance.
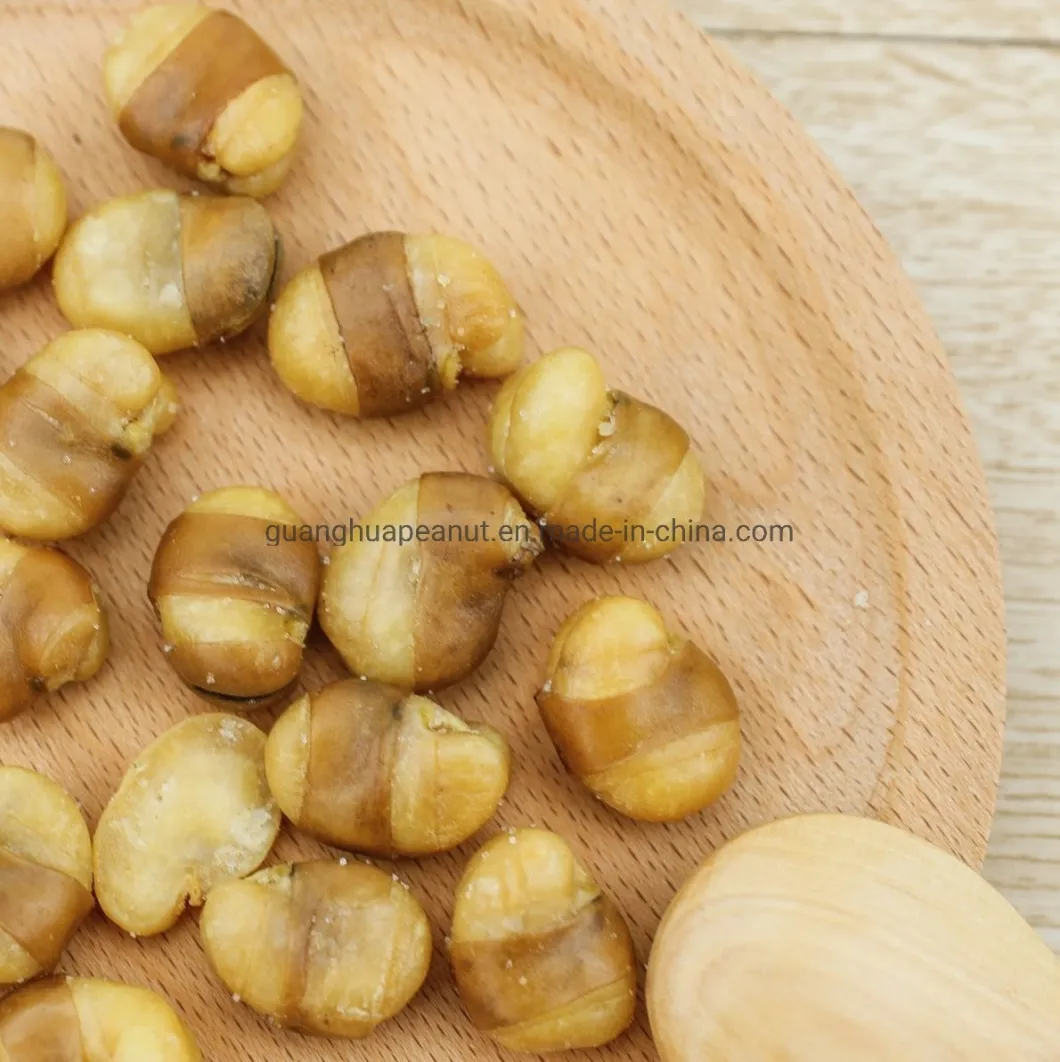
(944, 115)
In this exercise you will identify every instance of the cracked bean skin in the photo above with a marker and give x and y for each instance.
(171, 271)
(642, 716)
(76, 423)
(32, 207)
(424, 613)
(576, 453)
(331, 948)
(193, 810)
(45, 873)
(53, 625)
(390, 322)
(235, 608)
(369, 768)
(79, 1019)
(200, 91)
(542, 958)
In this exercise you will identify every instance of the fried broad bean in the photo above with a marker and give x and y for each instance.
(76, 1019)
(45, 873)
(76, 422)
(32, 207)
(234, 609)
(200, 91)
(53, 626)
(172, 271)
(193, 810)
(643, 717)
(387, 323)
(578, 454)
(415, 598)
(367, 767)
(542, 958)
(327, 948)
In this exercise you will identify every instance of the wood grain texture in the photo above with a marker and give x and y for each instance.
(644, 197)
(987, 20)
(945, 968)
(953, 151)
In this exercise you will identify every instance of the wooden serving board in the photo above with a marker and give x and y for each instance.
(645, 197)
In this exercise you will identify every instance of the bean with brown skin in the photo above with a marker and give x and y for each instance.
(79, 1019)
(235, 609)
(32, 207)
(326, 948)
(643, 717)
(76, 422)
(424, 613)
(367, 767)
(172, 271)
(199, 90)
(580, 455)
(45, 873)
(53, 625)
(389, 322)
(542, 958)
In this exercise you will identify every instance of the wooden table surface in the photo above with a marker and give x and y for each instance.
(943, 116)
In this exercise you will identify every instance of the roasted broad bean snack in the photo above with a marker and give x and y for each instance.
(32, 207)
(193, 810)
(76, 422)
(45, 873)
(415, 598)
(327, 948)
(642, 716)
(75, 1019)
(367, 767)
(543, 960)
(172, 271)
(387, 323)
(235, 600)
(53, 626)
(584, 457)
(200, 91)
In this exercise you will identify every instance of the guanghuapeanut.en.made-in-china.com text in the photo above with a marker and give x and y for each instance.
(673, 533)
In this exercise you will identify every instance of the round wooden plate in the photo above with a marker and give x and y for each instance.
(646, 198)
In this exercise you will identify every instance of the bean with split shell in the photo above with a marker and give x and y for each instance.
(235, 600)
(367, 767)
(172, 271)
(80, 1019)
(199, 90)
(332, 948)
(391, 321)
(604, 470)
(542, 957)
(643, 717)
(32, 207)
(53, 624)
(45, 873)
(76, 422)
(422, 611)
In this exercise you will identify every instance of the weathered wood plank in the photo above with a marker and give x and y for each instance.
(978, 19)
